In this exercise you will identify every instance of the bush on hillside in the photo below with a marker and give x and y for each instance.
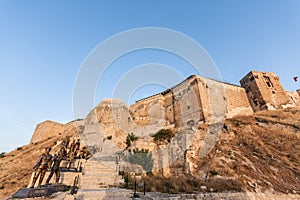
(163, 135)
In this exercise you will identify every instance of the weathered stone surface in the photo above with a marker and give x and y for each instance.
(294, 97)
(265, 91)
(48, 129)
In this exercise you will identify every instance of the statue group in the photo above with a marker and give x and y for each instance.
(68, 151)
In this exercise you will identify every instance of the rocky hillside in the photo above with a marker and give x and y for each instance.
(257, 153)
(260, 152)
(16, 166)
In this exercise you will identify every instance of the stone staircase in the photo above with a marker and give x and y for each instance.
(100, 181)
(97, 175)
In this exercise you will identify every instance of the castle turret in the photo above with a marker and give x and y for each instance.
(264, 91)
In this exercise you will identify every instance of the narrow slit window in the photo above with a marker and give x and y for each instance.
(268, 81)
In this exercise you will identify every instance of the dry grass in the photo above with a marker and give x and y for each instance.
(16, 166)
(262, 151)
(189, 184)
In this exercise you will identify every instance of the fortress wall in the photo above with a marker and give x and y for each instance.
(294, 98)
(212, 96)
(140, 111)
(264, 91)
(252, 90)
(169, 107)
(45, 130)
(237, 102)
(272, 90)
(204, 99)
(221, 100)
(187, 103)
(193, 101)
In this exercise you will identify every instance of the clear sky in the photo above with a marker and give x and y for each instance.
(44, 43)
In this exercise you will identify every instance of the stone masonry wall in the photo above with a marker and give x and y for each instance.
(265, 91)
(46, 129)
(195, 100)
(140, 111)
(213, 99)
(187, 104)
(293, 97)
(237, 102)
(49, 128)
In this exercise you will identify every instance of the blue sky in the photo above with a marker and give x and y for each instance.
(44, 43)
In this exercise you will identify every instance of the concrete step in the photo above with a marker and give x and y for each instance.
(97, 183)
(99, 173)
(92, 171)
(108, 181)
(104, 193)
(91, 183)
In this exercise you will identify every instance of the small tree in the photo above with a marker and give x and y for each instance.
(130, 138)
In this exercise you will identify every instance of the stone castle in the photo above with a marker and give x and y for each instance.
(194, 111)
(196, 100)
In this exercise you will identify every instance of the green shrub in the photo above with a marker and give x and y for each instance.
(163, 135)
(130, 138)
(2, 154)
(128, 180)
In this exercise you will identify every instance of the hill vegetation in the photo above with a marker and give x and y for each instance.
(16, 167)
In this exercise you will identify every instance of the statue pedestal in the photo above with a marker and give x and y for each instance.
(45, 190)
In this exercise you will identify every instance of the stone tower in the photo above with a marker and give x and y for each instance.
(264, 91)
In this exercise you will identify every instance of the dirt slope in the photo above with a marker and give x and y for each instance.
(261, 152)
(16, 166)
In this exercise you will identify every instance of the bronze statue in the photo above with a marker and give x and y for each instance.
(56, 160)
(42, 166)
(77, 147)
(74, 152)
(70, 159)
(63, 149)
(67, 141)
(71, 147)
